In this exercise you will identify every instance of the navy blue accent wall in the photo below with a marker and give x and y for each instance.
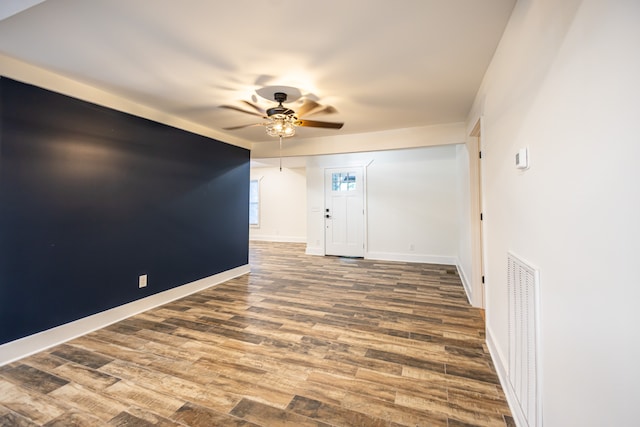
(91, 198)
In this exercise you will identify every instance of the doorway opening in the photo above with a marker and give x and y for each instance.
(474, 147)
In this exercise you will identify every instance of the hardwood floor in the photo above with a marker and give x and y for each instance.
(301, 341)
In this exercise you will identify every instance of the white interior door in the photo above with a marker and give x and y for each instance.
(344, 212)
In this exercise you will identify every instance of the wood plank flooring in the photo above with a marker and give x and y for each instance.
(301, 341)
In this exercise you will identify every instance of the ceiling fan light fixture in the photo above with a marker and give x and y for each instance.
(281, 122)
(281, 126)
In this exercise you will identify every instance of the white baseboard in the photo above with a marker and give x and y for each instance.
(465, 282)
(404, 257)
(501, 368)
(393, 256)
(314, 251)
(284, 239)
(35, 343)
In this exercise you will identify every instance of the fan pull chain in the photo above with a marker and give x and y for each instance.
(280, 153)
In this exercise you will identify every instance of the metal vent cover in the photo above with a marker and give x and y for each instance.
(522, 284)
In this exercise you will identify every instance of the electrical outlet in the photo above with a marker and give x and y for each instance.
(412, 247)
(142, 281)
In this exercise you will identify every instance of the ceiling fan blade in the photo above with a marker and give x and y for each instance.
(243, 126)
(307, 106)
(232, 107)
(255, 107)
(325, 110)
(317, 124)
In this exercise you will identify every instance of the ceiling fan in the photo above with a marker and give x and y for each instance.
(282, 121)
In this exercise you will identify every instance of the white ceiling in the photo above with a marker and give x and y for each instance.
(383, 64)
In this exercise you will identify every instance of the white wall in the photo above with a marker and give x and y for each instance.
(283, 205)
(412, 201)
(564, 82)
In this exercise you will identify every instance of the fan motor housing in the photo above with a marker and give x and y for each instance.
(280, 97)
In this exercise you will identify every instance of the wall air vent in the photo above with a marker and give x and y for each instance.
(524, 359)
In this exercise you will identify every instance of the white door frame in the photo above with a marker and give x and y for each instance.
(474, 148)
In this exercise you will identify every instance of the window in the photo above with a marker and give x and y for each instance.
(254, 202)
(343, 182)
